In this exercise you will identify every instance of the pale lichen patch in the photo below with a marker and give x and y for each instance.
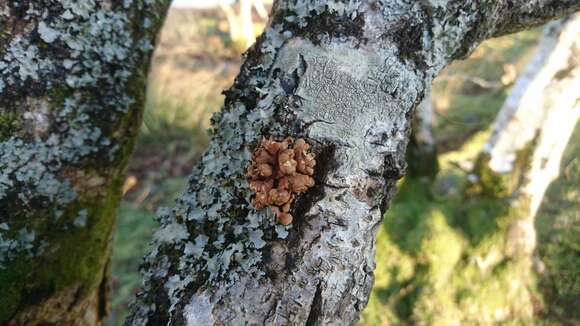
(60, 115)
(47, 33)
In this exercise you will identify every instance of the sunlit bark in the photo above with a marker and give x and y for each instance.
(346, 77)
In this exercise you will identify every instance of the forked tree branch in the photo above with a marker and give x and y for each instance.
(346, 77)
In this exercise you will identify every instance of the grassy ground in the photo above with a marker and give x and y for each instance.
(435, 251)
(558, 226)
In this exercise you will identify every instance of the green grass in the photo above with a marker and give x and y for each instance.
(440, 258)
(558, 226)
(134, 229)
(440, 261)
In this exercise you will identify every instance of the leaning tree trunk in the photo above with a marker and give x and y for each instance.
(529, 136)
(72, 88)
(346, 77)
(469, 257)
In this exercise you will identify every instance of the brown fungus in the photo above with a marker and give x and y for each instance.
(278, 172)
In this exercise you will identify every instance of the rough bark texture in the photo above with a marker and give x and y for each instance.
(346, 77)
(72, 88)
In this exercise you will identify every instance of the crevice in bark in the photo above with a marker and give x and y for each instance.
(315, 307)
(325, 162)
(104, 292)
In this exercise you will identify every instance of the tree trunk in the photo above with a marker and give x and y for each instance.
(467, 258)
(522, 157)
(72, 90)
(241, 25)
(346, 77)
(422, 151)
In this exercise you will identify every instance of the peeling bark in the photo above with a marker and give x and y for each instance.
(72, 89)
(346, 77)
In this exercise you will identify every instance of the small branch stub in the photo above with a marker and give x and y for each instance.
(278, 172)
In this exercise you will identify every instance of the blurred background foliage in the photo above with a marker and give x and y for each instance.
(431, 235)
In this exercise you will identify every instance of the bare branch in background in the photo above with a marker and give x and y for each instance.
(241, 26)
(522, 157)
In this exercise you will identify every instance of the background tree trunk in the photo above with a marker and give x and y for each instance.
(539, 99)
(346, 77)
(422, 151)
(522, 156)
(72, 90)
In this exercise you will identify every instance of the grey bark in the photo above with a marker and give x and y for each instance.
(345, 76)
(72, 88)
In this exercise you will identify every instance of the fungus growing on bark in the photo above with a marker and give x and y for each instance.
(279, 171)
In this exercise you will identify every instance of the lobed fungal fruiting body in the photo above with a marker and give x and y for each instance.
(279, 171)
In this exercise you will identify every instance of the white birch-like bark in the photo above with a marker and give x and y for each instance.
(345, 76)
(260, 8)
(247, 22)
(525, 110)
(534, 125)
(241, 25)
(424, 116)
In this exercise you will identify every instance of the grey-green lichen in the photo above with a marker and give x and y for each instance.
(13, 246)
(72, 77)
(214, 237)
(218, 232)
(84, 45)
(219, 236)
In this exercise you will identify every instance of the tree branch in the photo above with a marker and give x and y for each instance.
(346, 77)
(458, 27)
(537, 119)
(516, 15)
